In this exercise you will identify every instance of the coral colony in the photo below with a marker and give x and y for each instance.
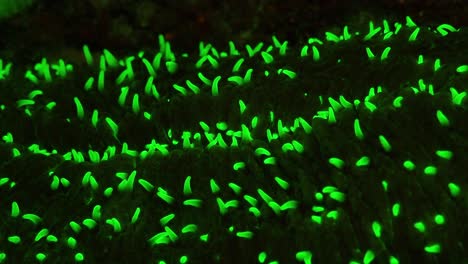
(347, 148)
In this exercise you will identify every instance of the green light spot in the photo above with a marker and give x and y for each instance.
(338, 163)
(443, 120)
(384, 143)
(79, 257)
(384, 55)
(363, 161)
(262, 257)
(15, 211)
(368, 257)
(393, 260)
(445, 154)
(430, 170)
(377, 229)
(409, 165)
(439, 219)
(357, 130)
(454, 189)
(433, 249)
(41, 257)
(14, 240)
(462, 69)
(396, 209)
(420, 226)
(338, 196)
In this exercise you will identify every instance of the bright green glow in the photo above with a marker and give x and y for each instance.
(363, 161)
(262, 257)
(317, 219)
(282, 183)
(433, 248)
(251, 200)
(193, 202)
(114, 127)
(454, 189)
(396, 209)
(439, 219)
(195, 89)
(135, 216)
(146, 185)
(183, 259)
(409, 22)
(443, 120)
(214, 186)
(41, 257)
(445, 154)
(377, 229)
(304, 256)
(171, 66)
(357, 130)
(135, 104)
(101, 81)
(414, 35)
(368, 257)
(262, 151)
(370, 54)
(15, 211)
(190, 228)
(245, 234)
(331, 116)
(315, 54)
(89, 223)
(96, 214)
(187, 187)
(420, 227)
(393, 260)
(420, 59)
(385, 185)
(385, 53)
(180, 89)
(214, 87)
(384, 143)
(43, 233)
(289, 73)
(123, 95)
(462, 69)
(238, 64)
(409, 165)
(235, 188)
(430, 170)
(238, 165)
(291, 204)
(94, 118)
(333, 214)
(304, 51)
(338, 163)
(248, 75)
(14, 240)
(442, 29)
(267, 57)
(267, 198)
(338, 196)
(33, 218)
(79, 257)
(397, 102)
(71, 242)
(166, 219)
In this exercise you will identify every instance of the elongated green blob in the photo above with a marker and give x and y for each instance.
(79, 108)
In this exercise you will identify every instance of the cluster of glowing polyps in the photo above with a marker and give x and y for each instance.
(239, 152)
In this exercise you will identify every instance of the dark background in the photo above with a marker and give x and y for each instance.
(62, 27)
